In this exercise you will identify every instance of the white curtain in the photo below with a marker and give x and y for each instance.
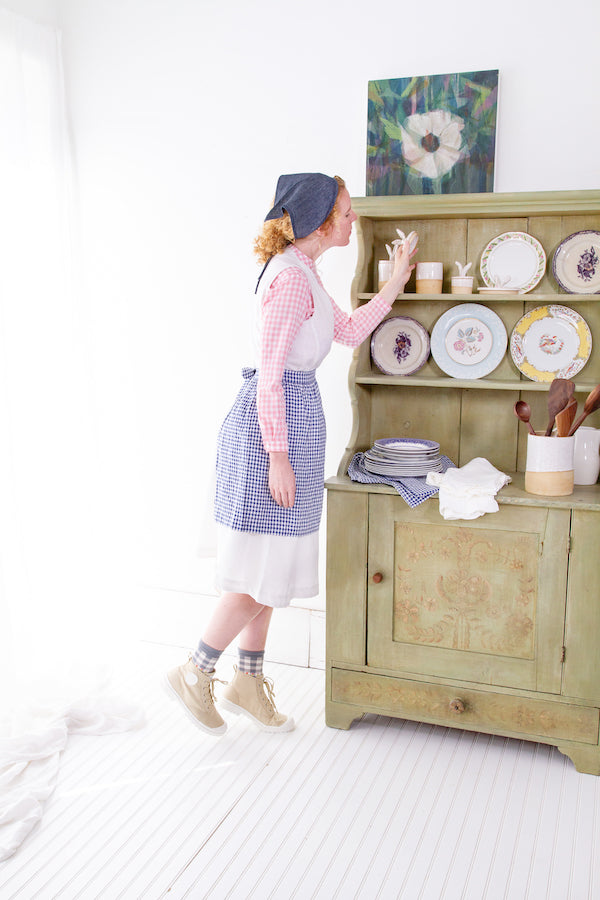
(50, 569)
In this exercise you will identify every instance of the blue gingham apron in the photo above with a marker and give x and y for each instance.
(243, 501)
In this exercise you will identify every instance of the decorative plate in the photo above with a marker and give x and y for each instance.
(550, 342)
(514, 260)
(576, 263)
(468, 341)
(408, 445)
(400, 346)
(403, 471)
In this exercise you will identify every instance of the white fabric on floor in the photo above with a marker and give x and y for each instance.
(31, 744)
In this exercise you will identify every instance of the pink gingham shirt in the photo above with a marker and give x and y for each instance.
(286, 305)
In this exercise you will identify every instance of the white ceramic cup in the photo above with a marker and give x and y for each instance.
(385, 269)
(429, 277)
(549, 466)
(430, 270)
(462, 284)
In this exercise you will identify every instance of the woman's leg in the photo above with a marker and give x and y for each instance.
(252, 642)
(254, 635)
(250, 693)
(223, 627)
(238, 614)
(193, 682)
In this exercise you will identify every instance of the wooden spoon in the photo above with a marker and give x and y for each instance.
(561, 391)
(523, 412)
(564, 418)
(591, 405)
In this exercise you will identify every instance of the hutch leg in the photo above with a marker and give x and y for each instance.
(585, 759)
(340, 715)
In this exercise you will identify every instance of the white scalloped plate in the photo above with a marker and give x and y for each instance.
(515, 260)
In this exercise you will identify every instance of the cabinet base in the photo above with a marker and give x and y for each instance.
(586, 759)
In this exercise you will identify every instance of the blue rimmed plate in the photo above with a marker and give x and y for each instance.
(468, 341)
(406, 445)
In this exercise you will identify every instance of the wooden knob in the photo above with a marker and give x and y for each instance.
(457, 706)
(377, 577)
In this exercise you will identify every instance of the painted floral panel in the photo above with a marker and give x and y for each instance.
(466, 589)
(432, 134)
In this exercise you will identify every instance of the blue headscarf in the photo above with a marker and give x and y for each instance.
(307, 198)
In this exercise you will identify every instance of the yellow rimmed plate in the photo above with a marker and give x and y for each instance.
(550, 342)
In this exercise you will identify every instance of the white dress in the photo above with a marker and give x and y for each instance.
(276, 568)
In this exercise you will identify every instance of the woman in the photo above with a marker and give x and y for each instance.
(270, 462)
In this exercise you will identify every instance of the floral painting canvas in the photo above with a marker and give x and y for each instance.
(432, 134)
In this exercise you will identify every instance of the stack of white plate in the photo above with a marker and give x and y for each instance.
(403, 457)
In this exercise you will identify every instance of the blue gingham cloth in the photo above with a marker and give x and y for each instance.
(243, 501)
(414, 490)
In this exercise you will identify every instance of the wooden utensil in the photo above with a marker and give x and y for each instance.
(523, 412)
(564, 418)
(591, 405)
(560, 392)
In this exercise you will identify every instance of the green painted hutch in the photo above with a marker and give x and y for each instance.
(490, 624)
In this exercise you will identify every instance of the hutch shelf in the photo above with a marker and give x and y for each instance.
(490, 624)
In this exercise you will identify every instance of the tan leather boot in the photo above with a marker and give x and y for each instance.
(253, 696)
(196, 691)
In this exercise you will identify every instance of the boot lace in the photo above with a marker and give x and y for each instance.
(269, 696)
(211, 686)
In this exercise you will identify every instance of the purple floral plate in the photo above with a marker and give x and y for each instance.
(400, 346)
(576, 263)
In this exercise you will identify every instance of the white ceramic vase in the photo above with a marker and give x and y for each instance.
(586, 455)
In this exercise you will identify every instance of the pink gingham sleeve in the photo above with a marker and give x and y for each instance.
(286, 305)
(351, 330)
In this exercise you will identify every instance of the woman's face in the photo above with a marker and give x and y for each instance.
(340, 234)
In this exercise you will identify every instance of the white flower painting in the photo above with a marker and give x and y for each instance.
(432, 134)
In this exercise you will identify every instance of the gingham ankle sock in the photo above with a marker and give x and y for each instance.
(250, 662)
(206, 657)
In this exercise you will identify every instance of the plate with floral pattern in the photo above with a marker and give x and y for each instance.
(400, 346)
(576, 263)
(550, 342)
(514, 260)
(468, 341)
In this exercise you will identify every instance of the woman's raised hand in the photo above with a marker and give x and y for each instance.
(402, 266)
(400, 274)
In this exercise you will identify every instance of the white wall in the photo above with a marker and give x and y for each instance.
(41, 11)
(183, 114)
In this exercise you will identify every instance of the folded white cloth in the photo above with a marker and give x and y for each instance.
(30, 754)
(470, 491)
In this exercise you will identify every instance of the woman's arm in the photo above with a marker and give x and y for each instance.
(287, 304)
(352, 329)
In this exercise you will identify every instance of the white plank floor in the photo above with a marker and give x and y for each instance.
(389, 809)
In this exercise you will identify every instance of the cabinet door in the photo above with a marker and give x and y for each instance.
(480, 601)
